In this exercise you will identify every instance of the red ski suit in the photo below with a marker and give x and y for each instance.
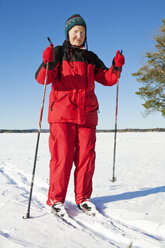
(73, 118)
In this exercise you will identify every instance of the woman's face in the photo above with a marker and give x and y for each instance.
(77, 35)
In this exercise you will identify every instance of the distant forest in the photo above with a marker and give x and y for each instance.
(98, 130)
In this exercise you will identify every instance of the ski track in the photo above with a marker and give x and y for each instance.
(112, 232)
(104, 228)
(7, 240)
(137, 234)
(114, 228)
(85, 223)
(17, 179)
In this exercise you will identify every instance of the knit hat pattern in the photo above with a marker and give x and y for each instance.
(73, 21)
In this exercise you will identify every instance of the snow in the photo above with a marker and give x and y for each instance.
(132, 208)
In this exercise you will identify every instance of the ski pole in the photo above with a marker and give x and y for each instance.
(37, 144)
(113, 179)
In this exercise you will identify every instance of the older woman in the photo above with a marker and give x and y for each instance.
(72, 114)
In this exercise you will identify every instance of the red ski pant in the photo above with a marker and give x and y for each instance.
(71, 143)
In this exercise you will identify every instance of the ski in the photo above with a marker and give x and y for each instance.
(66, 220)
(64, 217)
(127, 240)
(100, 226)
(97, 225)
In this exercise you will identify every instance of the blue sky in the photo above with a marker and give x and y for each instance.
(112, 25)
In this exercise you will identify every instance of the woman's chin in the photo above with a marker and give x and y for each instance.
(77, 44)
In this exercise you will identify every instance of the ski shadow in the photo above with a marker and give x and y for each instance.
(100, 201)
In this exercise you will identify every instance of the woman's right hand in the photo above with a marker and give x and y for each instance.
(48, 54)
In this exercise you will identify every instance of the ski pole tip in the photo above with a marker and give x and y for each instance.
(113, 179)
(26, 217)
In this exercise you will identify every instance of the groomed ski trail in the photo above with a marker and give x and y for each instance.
(99, 226)
(112, 232)
(139, 237)
(41, 213)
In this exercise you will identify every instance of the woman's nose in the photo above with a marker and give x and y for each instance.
(78, 35)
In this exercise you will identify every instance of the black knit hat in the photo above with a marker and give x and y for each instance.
(73, 21)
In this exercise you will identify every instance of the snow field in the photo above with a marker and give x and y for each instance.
(131, 208)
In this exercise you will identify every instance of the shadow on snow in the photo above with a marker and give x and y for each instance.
(128, 195)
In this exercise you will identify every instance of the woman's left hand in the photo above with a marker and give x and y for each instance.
(119, 59)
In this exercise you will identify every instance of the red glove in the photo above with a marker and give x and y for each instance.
(48, 54)
(119, 59)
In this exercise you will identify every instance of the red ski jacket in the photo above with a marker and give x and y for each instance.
(73, 73)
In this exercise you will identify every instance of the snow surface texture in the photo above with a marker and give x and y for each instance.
(132, 208)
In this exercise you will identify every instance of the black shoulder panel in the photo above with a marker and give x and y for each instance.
(94, 59)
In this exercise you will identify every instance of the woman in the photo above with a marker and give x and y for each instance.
(72, 113)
